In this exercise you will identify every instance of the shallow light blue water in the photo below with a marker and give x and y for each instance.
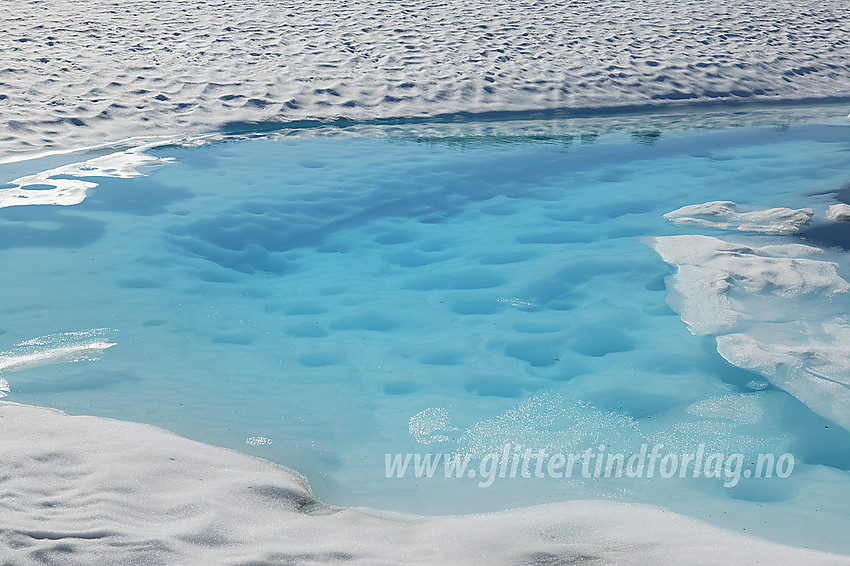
(322, 292)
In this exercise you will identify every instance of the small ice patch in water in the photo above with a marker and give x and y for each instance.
(258, 441)
(838, 213)
(86, 345)
(727, 215)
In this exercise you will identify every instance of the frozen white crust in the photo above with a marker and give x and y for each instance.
(52, 186)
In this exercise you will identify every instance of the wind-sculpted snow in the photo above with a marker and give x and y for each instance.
(774, 309)
(106, 70)
(83, 490)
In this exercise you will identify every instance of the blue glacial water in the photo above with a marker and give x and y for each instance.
(349, 297)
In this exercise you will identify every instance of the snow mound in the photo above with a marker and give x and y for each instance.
(84, 490)
(773, 313)
(714, 279)
(838, 213)
(727, 215)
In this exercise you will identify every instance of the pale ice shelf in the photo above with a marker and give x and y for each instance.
(774, 309)
(86, 490)
(78, 74)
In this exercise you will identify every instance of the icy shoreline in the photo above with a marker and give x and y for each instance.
(86, 489)
(213, 521)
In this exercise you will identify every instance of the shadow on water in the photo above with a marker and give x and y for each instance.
(741, 379)
(70, 231)
(141, 196)
(252, 235)
(833, 234)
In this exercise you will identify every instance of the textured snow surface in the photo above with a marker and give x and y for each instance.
(105, 70)
(84, 490)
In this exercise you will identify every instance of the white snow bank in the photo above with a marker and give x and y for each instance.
(30, 189)
(84, 490)
(774, 310)
(727, 215)
(838, 213)
(74, 72)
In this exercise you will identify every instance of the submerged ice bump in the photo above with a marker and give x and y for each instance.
(740, 408)
(551, 423)
(431, 426)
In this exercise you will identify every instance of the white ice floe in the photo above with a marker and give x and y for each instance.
(51, 186)
(714, 278)
(727, 215)
(781, 316)
(85, 490)
(838, 213)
